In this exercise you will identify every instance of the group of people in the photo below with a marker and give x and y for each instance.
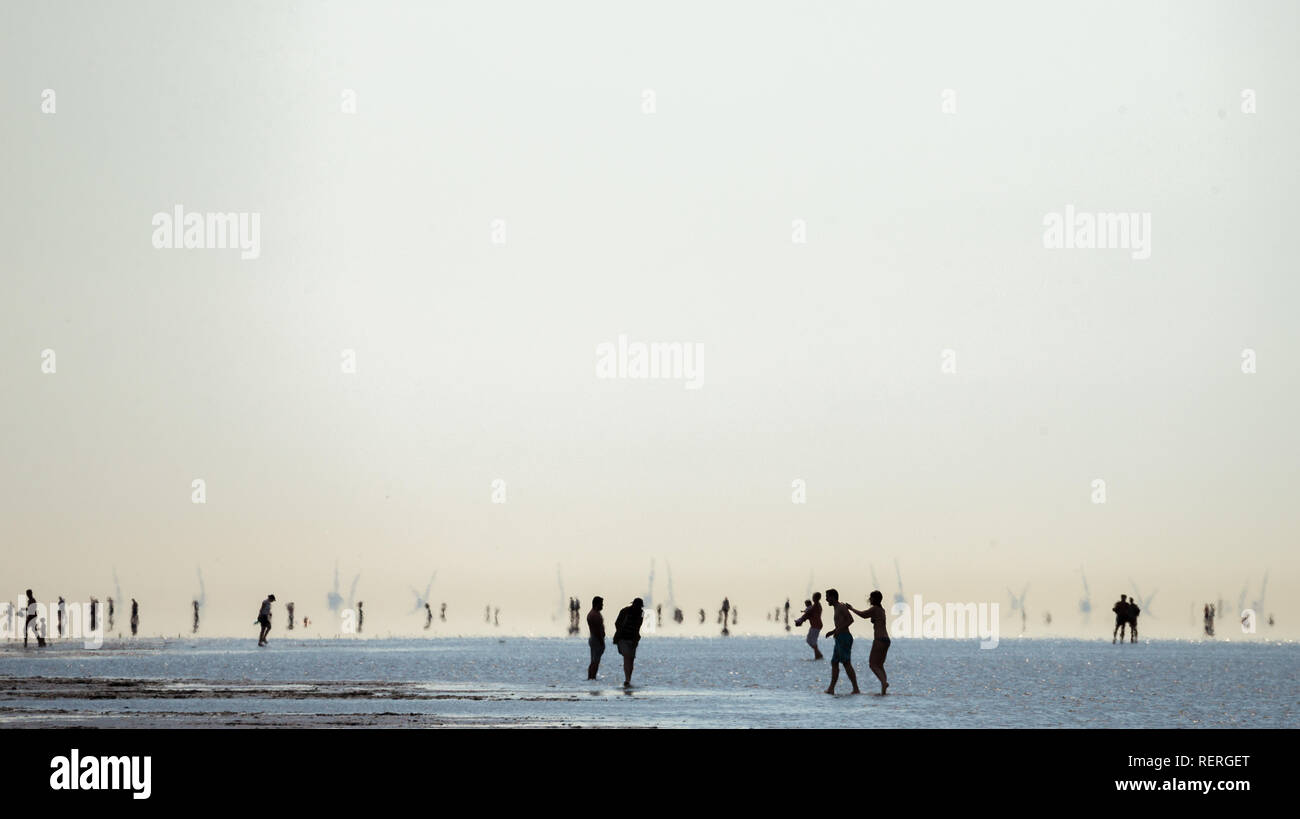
(843, 652)
(627, 634)
(1126, 614)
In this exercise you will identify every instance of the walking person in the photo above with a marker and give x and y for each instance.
(880, 642)
(33, 610)
(627, 634)
(812, 613)
(843, 652)
(264, 619)
(596, 628)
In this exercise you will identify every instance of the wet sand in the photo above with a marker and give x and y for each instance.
(61, 692)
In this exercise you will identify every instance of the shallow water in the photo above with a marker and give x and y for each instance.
(680, 682)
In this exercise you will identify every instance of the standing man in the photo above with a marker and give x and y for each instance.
(1133, 612)
(812, 612)
(596, 627)
(32, 611)
(880, 645)
(135, 616)
(1121, 618)
(627, 633)
(264, 619)
(843, 642)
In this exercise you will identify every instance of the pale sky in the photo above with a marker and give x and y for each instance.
(475, 361)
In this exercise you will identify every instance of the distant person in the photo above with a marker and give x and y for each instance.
(442, 613)
(659, 614)
(596, 628)
(627, 634)
(1133, 612)
(63, 608)
(787, 614)
(428, 616)
(195, 630)
(94, 615)
(306, 622)
(361, 616)
(487, 614)
(496, 617)
(110, 614)
(701, 616)
(33, 610)
(812, 614)
(264, 619)
(1121, 618)
(677, 616)
(135, 617)
(880, 643)
(843, 652)
(726, 610)
(288, 609)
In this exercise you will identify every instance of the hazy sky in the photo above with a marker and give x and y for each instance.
(476, 360)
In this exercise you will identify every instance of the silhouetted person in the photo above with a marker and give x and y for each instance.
(1121, 618)
(33, 610)
(787, 614)
(496, 617)
(428, 616)
(196, 618)
(288, 608)
(1133, 612)
(110, 614)
(442, 613)
(726, 609)
(487, 614)
(659, 614)
(361, 616)
(735, 616)
(627, 634)
(701, 616)
(264, 619)
(94, 615)
(843, 652)
(812, 613)
(880, 643)
(135, 616)
(63, 607)
(306, 622)
(596, 628)
(1207, 620)
(677, 616)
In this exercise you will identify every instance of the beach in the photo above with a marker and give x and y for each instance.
(735, 682)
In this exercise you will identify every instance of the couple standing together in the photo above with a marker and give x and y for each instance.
(627, 634)
(843, 652)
